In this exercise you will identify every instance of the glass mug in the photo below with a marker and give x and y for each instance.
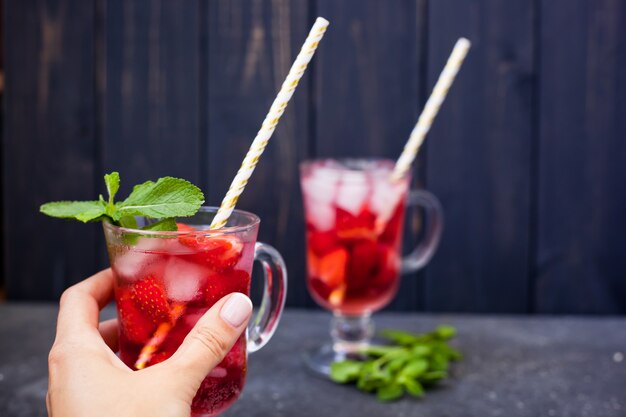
(165, 281)
(354, 215)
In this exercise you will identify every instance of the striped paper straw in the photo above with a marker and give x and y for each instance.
(158, 338)
(247, 167)
(269, 124)
(446, 78)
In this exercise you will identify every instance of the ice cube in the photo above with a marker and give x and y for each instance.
(145, 257)
(321, 214)
(385, 197)
(133, 265)
(150, 244)
(182, 279)
(320, 189)
(352, 193)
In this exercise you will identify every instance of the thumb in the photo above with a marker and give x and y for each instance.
(210, 340)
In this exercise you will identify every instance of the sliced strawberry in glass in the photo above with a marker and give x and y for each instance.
(218, 252)
(389, 266)
(332, 267)
(221, 284)
(150, 296)
(350, 227)
(322, 243)
(135, 324)
(182, 227)
(392, 228)
(364, 265)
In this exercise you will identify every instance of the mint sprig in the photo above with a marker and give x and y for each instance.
(165, 199)
(408, 364)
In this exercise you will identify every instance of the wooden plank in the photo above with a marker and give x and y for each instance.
(49, 144)
(251, 46)
(480, 157)
(368, 89)
(581, 223)
(152, 90)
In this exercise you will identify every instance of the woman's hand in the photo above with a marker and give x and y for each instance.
(86, 378)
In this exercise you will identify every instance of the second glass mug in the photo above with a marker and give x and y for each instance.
(165, 281)
(354, 213)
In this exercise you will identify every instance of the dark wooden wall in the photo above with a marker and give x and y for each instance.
(528, 155)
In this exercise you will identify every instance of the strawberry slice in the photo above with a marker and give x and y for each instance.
(351, 227)
(322, 243)
(364, 265)
(135, 325)
(219, 252)
(332, 267)
(389, 266)
(393, 229)
(221, 284)
(182, 227)
(149, 295)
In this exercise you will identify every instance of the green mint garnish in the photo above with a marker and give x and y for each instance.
(409, 364)
(165, 199)
(162, 225)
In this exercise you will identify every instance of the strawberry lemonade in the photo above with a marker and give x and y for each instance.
(171, 279)
(354, 215)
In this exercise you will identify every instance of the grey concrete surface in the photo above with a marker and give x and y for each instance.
(512, 366)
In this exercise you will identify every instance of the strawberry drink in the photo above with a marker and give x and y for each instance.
(353, 234)
(354, 214)
(168, 280)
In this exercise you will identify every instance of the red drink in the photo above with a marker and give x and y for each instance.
(175, 279)
(354, 217)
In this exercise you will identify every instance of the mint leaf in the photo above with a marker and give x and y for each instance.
(85, 211)
(415, 368)
(128, 222)
(165, 225)
(445, 332)
(390, 392)
(112, 182)
(165, 199)
(168, 197)
(346, 371)
(408, 363)
(413, 387)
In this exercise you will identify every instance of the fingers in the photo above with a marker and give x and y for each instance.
(108, 331)
(81, 303)
(211, 338)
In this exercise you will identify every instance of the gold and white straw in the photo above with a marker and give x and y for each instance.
(446, 78)
(247, 166)
(269, 124)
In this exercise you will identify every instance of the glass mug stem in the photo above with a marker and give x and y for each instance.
(350, 334)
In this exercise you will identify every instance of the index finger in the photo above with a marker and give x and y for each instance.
(80, 304)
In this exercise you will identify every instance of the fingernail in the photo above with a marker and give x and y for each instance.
(236, 309)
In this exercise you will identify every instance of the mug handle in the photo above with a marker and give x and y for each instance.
(264, 323)
(432, 234)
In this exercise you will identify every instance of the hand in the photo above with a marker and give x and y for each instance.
(86, 378)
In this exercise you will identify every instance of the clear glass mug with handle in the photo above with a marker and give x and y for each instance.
(165, 281)
(354, 215)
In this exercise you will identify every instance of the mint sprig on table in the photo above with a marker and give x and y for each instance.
(165, 199)
(410, 363)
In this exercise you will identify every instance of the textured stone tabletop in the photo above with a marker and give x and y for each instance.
(513, 366)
